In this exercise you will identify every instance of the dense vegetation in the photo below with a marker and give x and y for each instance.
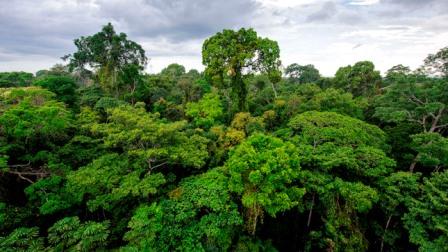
(98, 155)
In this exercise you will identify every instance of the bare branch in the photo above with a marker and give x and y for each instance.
(415, 100)
(27, 171)
(441, 126)
(26, 179)
(20, 165)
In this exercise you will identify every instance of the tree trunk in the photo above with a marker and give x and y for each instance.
(431, 130)
(436, 120)
(413, 164)
(240, 90)
(310, 214)
(273, 89)
(385, 230)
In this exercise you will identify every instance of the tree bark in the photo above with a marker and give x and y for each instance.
(385, 230)
(310, 214)
(413, 164)
(433, 128)
(275, 91)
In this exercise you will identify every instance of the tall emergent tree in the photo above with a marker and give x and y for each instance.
(238, 54)
(109, 53)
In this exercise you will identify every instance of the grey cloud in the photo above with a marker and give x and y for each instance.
(48, 27)
(7, 57)
(178, 20)
(439, 6)
(351, 18)
(437, 24)
(327, 11)
(390, 13)
(408, 2)
(45, 29)
(38, 27)
(330, 12)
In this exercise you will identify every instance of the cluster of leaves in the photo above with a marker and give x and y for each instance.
(15, 79)
(97, 155)
(198, 215)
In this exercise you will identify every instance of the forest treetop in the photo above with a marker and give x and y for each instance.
(246, 156)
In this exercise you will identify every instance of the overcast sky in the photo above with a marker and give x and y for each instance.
(34, 34)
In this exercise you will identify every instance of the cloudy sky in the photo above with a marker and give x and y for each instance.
(329, 34)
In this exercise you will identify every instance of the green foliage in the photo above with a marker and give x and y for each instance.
(98, 155)
(343, 202)
(90, 95)
(150, 140)
(249, 244)
(262, 170)
(2, 212)
(396, 192)
(342, 159)
(206, 112)
(427, 218)
(131, 80)
(15, 79)
(302, 74)
(432, 149)
(437, 63)
(360, 79)
(357, 196)
(31, 113)
(418, 102)
(236, 54)
(199, 215)
(32, 126)
(55, 70)
(309, 97)
(13, 216)
(173, 71)
(421, 102)
(247, 124)
(396, 73)
(148, 144)
(334, 100)
(169, 91)
(320, 128)
(69, 234)
(63, 86)
(111, 179)
(22, 239)
(108, 52)
(105, 103)
(168, 110)
(262, 92)
(49, 195)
